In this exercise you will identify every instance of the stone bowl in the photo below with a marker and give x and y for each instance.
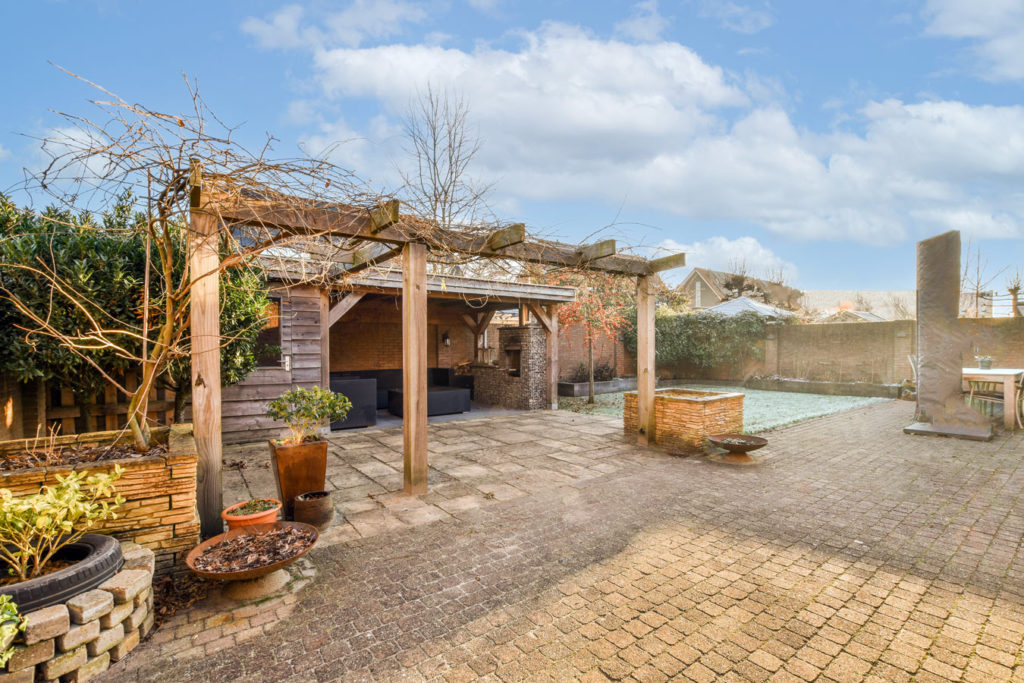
(247, 574)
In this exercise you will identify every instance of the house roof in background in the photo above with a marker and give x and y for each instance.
(745, 304)
(886, 304)
(853, 316)
(719, 282)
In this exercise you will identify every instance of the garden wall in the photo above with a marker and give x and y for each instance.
(572, 351)
(877, 353)
(159, 511)
(78, 640)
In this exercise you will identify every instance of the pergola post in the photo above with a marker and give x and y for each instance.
(645, 307)
(204, 269)
(414, 367)
(552, 354)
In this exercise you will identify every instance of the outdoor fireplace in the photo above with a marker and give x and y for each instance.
(518, 381)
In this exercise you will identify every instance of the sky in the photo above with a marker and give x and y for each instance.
(822, 139)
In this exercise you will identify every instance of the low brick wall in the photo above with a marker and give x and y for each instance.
(77, 640)
(159, 511)
(683, 418)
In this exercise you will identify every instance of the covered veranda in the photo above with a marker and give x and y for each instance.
(370, 237)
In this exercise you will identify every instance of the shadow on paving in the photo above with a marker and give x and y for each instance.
(843, 501)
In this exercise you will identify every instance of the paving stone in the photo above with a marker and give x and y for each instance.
(90, 605)
(88, 671)
(125, 646)
(106, 640)
(46, 623)
(127, 583)
(117, 615)
(850, 551)
(141, 558)
(29, 655)
(78, 635)
(21, 676)
(63, 663)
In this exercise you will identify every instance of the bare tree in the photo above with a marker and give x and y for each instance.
(975, 281)
(777, 275)
(160, 158)
(441, 147)
(1013, 286)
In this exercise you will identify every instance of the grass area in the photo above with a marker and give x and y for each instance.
(762, 410)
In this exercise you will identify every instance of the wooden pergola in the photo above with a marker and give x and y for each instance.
(387, 236)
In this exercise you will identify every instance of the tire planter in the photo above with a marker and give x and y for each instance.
(315, 508)
(98, 558)
(237, 521)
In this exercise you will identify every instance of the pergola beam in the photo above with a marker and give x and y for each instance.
(667, 263)
(599, 250)
(372, 261)
(353, 222)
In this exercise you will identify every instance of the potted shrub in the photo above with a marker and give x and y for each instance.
(300, 458)
(50, 557)
(252, 511)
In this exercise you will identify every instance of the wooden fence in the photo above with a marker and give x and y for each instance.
(41, 408)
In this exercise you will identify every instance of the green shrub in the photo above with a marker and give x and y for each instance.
(33, 528)
(306, 410)
(11, 623)
(704, 339)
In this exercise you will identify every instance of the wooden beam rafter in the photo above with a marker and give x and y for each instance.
(599, 250)
(338, 310)
(353, 222)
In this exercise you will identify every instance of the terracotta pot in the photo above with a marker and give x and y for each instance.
(315, 508)
(298, 469)
(237, 521)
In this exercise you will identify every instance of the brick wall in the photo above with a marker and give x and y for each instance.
(862, 352)
(683, 419)
(572, 351)
(494, 385)
(369, 337)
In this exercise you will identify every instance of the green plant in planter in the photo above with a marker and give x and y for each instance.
(253, 506)
(11, 623)
(306, 410)
(33, 528)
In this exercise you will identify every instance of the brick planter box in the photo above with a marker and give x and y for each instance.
(159, 492)
(77, 640)
(684, 418)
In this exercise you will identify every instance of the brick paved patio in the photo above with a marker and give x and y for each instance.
(550, 549)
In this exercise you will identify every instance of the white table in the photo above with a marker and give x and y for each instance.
(1010, 377)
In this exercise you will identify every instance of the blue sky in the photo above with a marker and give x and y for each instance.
(820, 137)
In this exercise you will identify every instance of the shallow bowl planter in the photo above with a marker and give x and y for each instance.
(298, 469)
(247, 574)
(738, 443)
(264, 517)
(315, 508)
(97, 558)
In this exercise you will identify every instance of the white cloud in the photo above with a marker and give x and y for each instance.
(995, 26)
(483, 5)
(351, 26)
(645, 24)
(4, 153)
(570, 116)
(722, 253)
(737, 17)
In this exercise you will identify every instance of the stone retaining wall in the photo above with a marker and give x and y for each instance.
(77, 641)
(683, 418)
(159, 511)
